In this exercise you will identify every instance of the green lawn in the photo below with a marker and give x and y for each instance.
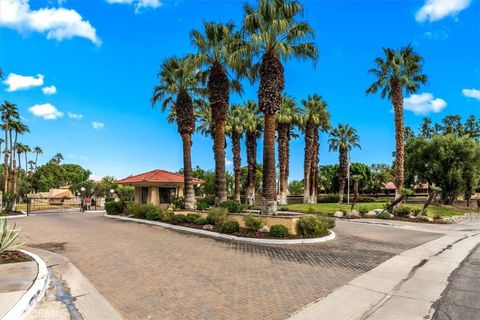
(329, 208)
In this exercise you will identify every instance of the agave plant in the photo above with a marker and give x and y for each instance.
(8, 236)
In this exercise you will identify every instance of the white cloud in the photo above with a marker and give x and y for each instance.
(139, 4)
(45, 111)
(228, 163)
(434, 10)
(76, 116)
(424, 103)
(97, 125)
(57, 23)
(471, 93)
(49, 90)
(17, 82)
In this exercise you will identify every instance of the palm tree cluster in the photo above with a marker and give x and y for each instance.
(196, 88)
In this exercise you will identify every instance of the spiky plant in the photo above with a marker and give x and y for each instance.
(179, 88)
(218, 49)
(235, 129)
(288, 117)
(8, 236)
(253, 123)
(315, 117)
(343, 139)
(396, 72)
(274, 34)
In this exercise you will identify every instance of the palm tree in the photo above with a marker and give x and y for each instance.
(218, 50)
(253, 128)
(398, 70)
(274, 34)
(26, 150)
(9, 113)
(235, 129)
(315, 117)
(20, 148)
(19, 128)
(37, 150)
(57, 158)
(32, 165)
(287, 118)
(180, 82)
(343, 139)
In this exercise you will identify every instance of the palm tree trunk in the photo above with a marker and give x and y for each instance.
(12, 156)
(36, 159)
(219, 91)
(283, 153)
(237, 166)
(314, 168)
(5, 163)
(269, 184)
(343, 162)
(26, 162)
(307, 163)
(397, 99)
(187, 171)
(19, 162)
(251, 141)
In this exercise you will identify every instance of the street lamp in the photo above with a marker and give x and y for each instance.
(82, 209)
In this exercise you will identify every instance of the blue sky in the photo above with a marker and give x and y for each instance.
(102, 57)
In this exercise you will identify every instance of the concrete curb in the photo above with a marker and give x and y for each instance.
(14, 216)
(33, 295)
(222, 236)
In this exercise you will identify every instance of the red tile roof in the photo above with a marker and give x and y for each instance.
(157, 176)
(390, 186)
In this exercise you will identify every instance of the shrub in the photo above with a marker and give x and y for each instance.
(252, 222)
(178, 202)
(384, 215)
(168, 216)
(366, 199)
(203, 204)
(191, 217)
(8, 236)
(282, 208)
(362, 210)
(329, 198)
(311, 210)
(330, 222)
(140, 210)
(217, 216)
(114, 207)
(179, 219)
(232, 206)
(437, 216)
(230, 227)
(154, 215)
(416, 211)
(200, 221)
(402, 211)
(386, 205)
(311, 227)
(278, 231)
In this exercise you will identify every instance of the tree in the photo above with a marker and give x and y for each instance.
(380, 174)
(9, 113)
(235, 129)
(471, 127)
(314, 117)
(295, 187)
(287, 118)
(18, 128)
(179, 81)
(274, 33)
(343, 139)
(26, 150)
(426, 129)
(20, 149)
(253, 129)
(37, 150)
(399, 70)
(57, 158)
(219, 50)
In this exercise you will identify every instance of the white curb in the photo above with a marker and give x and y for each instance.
(33, 295)
(222, 236)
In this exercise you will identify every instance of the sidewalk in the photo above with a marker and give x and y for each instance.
(404, 287)
(70, 295)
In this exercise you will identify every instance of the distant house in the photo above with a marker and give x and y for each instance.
(53, 197)
(389, 188)
(157, 187)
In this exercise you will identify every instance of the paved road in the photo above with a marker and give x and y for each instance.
(461, 298)
(150, 273)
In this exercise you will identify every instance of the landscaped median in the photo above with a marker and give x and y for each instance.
(246, 227)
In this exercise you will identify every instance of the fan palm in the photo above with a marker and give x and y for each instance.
(37, 150)
(399, 70)
(57, 158)
(9, 113)
(253, 128)
(235, 129)
(314, 117)
(274, 33)
(20, 149)
(218, 50)
(343, 139)
(180, 82)
(26, 150)
(287, 118)
(19, 128)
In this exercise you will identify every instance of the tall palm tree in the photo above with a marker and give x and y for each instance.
(19, 128)
(275, 34)
(287, 118)
(253, 123)
(343, 139)
(235, 129)
(37, 150)
(20, 149)
(315, 117)
(9, 113)
(179, 86)
(26, 150)
(399, 70)
(32, 165)
(219, 50)
(57, 158)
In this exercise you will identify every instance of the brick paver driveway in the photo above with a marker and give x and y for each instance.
(151, 273)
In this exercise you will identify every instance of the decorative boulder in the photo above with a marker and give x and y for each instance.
(391, 216)
(208, 227)
(338, 214)
(370, 214)
(354, 214)
(264, 229)
(424, 219)
(411, 216)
